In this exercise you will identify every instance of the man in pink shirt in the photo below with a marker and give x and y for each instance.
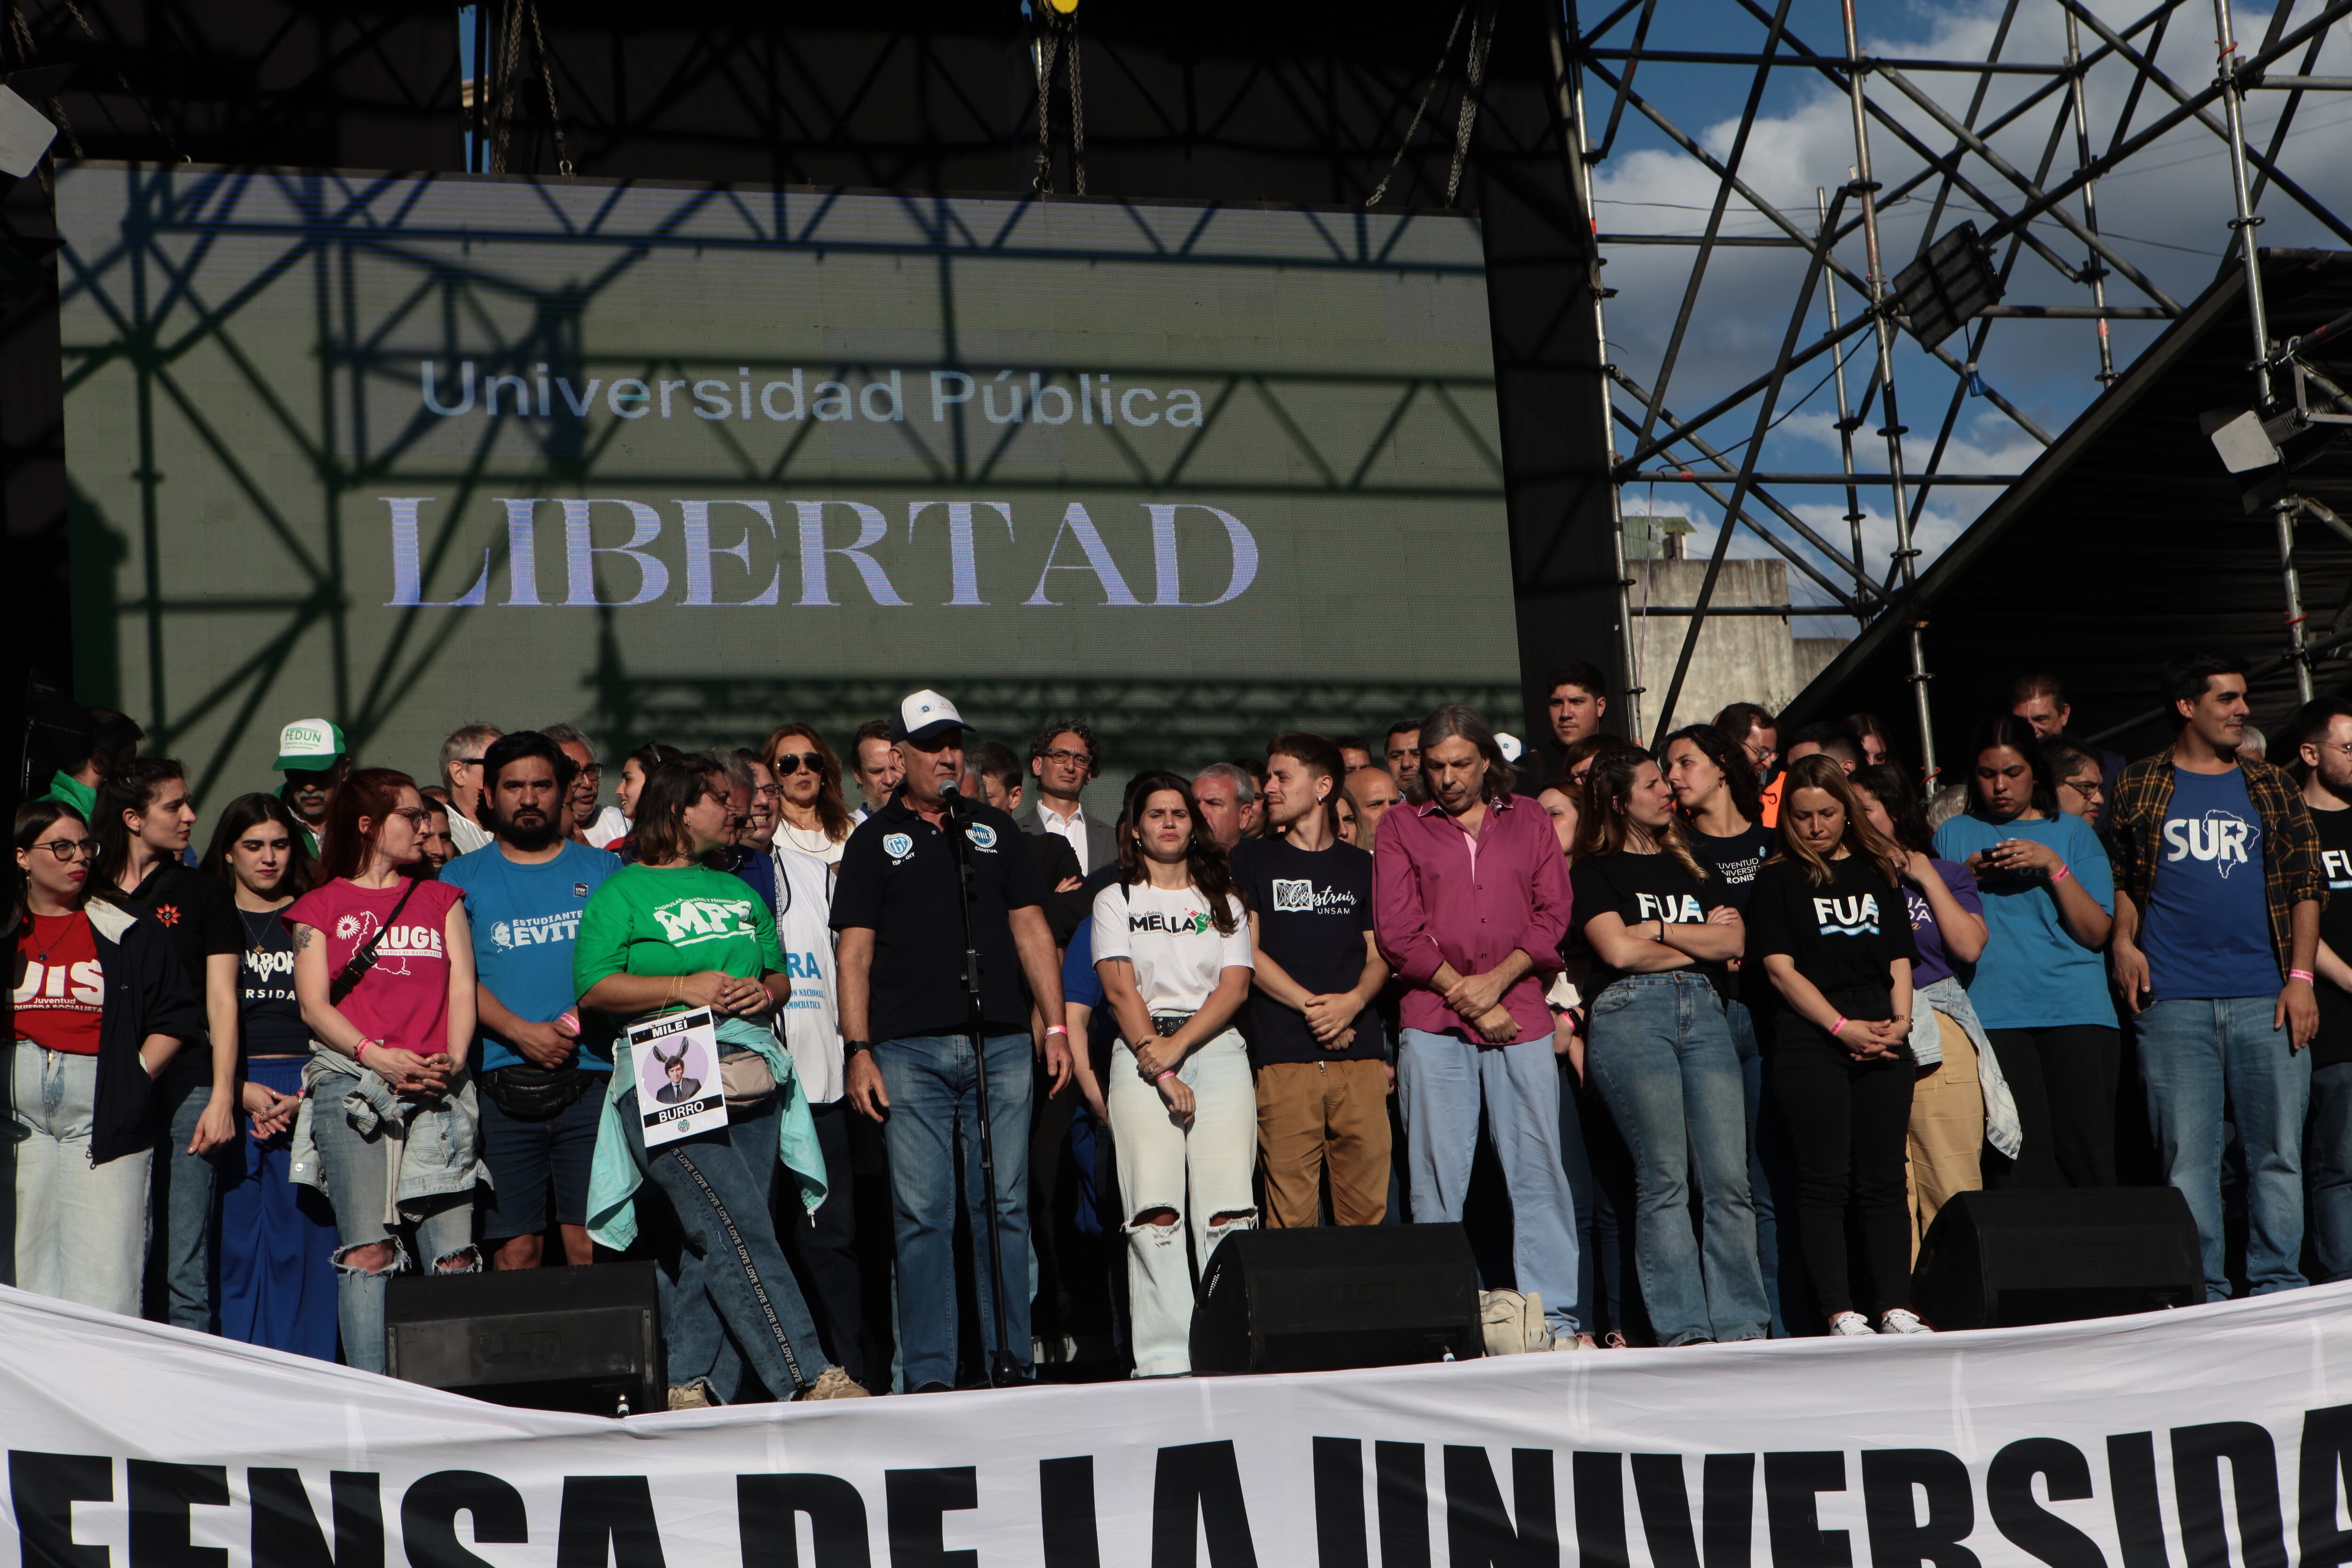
(1470, 901)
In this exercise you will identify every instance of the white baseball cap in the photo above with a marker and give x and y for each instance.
(924, 718)
(308, 745)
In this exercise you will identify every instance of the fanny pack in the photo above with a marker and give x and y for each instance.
(745, 1078)
(531, 1093)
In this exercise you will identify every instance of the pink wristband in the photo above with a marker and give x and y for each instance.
(2061, 874)
(1052, 1029)
(2303, 974)
(1838, 1026)
(1164, 1076)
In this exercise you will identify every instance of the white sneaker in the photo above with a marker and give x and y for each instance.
(1570, 1342)
(1903, 1320)
(1847, 1324)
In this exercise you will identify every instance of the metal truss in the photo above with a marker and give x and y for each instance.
(2018, 147)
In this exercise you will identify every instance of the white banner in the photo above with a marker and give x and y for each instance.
(2214, 1437)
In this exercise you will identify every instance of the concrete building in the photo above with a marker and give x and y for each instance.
(1739, 658)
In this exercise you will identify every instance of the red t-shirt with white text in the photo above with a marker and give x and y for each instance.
(405, 999)
(60, 991)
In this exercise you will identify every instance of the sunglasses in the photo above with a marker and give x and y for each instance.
(786, 764)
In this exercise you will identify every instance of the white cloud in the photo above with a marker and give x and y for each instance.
(2166, 212)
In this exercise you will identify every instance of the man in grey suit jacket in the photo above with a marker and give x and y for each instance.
(1063, 759)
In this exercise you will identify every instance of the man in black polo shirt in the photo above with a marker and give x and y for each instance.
(905, 1020)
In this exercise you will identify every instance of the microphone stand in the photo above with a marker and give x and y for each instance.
(1004, 1369)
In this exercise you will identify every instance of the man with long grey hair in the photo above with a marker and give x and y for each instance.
(1470, 901)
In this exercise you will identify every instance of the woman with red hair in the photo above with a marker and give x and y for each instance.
(384, 968)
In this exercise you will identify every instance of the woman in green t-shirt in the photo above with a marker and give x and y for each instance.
(667, 933)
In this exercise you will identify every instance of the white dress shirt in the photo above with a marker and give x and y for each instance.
(1072, 827)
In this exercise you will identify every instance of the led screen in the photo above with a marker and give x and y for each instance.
(682, 463)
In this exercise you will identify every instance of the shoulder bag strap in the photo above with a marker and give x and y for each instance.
(355, 969)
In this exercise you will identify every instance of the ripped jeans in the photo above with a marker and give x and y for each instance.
(439, 1230)
(1161, 1164)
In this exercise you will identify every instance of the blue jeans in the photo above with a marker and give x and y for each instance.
(2329, 1152)
(1750, 1048)
(934, 1087)
(1573, 1160)
(186, 1190)
(438, 1232)
(1662, 1057)
(2196, 1056)
(1442, 1083)
(80, 1229)
(729, 1302)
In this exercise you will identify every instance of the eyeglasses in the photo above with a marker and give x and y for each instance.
(592, 772)
(2094, 785)
(414, 816)
(1063, 754)
(2343, 746)
(467, 762)
(70, 848)
(774, 790)
(787, 763)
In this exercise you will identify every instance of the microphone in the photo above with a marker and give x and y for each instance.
(951, 795)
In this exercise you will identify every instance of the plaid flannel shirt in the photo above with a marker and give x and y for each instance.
(2291, 865)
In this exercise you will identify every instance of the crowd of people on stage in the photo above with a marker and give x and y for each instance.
(1696, 1042)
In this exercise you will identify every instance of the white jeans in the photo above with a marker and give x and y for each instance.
(1160, 1164)
(81, 1229)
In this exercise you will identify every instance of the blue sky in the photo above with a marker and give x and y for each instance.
(2164, 213)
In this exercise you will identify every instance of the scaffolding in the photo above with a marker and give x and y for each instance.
(1958, 134)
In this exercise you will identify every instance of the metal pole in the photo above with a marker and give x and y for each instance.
(1905, 557)
(2284, 511)
(1003, 1365)
(1846, 421)
(2092, 269)
(2243, 228)
(2244, 225)
(1570, 86)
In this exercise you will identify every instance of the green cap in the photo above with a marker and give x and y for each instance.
(308, 745)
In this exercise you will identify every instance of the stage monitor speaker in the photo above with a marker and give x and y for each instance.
(2052, 1256)
(544, 1339)
(1336, 1295)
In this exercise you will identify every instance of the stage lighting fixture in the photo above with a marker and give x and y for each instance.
(1948, 287)
(2241, 438)
(25, 134)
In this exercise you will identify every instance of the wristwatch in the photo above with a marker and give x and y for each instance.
(851, 1047)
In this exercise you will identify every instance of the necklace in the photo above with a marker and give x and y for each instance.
(814, 840)
(70, 918)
